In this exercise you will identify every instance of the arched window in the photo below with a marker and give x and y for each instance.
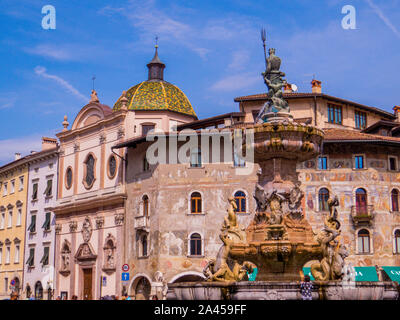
(323, 197)
(195, 158)
(144, 244)
(395, 200)
(145, 200)
(112, 167)
(397, 241)
(363, 241)
(240, 198)
(361, 202)
(195, 203)
(68, 178)
(195, 245)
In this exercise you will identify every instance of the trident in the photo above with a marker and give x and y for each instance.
(264, 39)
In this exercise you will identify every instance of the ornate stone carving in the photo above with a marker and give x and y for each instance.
(121, 133)
(109, 254)
(58, 228)
(119, 219)
(332, 264)
(76, 147)
(73, 226)
(99, 222)
(102, 138)
(65, 258)
(87, 230)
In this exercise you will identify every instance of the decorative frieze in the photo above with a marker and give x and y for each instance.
(99, 222)
(73, 226)
(121, 133)
(119, 219)
(102, 138)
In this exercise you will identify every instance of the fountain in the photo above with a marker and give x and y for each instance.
(279, 241)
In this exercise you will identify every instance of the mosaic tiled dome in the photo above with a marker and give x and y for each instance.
(156, 94)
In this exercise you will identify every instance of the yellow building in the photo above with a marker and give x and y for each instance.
(13, 198)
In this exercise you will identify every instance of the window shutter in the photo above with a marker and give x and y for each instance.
(35, 190)
(49, 188)
(46, 224)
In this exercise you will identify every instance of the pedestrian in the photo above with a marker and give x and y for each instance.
(154, 297)
(74, 297)
(306, 288)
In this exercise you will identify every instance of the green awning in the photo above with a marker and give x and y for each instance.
(362, 274)
(393, 273)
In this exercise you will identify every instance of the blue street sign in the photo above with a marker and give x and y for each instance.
(125, 276)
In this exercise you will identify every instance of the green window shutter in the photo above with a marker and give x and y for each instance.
(32, 226)
(49, 189)
(46, 224)
(30, 260)
(45, 258)
(35, 191)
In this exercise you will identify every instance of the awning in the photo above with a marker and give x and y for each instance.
(362, 274)
(393, 273)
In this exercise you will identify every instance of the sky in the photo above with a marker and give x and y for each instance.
(212, 51)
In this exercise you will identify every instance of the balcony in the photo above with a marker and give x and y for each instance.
(362, 215)
(142, 223)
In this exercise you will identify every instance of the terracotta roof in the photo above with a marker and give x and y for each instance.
(343, 135)
(299, 95)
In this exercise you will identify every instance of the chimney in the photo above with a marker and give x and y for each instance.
(48, 143)
(288, 88)
(316, 86)
(396, 110)
(17, 156)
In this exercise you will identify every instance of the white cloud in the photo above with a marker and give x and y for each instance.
(23, 145)
(236, 82)
(240, 59)
(41, 71)
(7, 100)
(384, 18)
(51, 51)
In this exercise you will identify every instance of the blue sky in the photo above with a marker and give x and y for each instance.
(212, 50)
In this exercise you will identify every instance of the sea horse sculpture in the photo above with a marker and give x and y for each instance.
(334, 253)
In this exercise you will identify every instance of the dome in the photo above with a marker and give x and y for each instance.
(156, 94)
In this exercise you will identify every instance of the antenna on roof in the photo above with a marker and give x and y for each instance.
(156, 41)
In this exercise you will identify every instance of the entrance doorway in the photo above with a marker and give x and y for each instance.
(87, 284)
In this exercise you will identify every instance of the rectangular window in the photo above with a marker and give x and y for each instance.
(5, 189)
(21, 183)
(392, 163)
(19, 216)
(45, 259)
(35, 191)
(195, 158)
(322, 163)
(16, 258)
(49, 188)
(8, 252)
(147, 128)
(46, 224)
(10, 216)
(31, 259)
(2, 218)
(6, 285)
(360, 120)
(334, 114)
(12, 189)
(359, 162)
(32, 226)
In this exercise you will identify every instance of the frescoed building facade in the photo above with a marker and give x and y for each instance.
(176, 210)
(40, 231)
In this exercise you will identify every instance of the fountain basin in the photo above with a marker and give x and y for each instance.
(262, 290)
